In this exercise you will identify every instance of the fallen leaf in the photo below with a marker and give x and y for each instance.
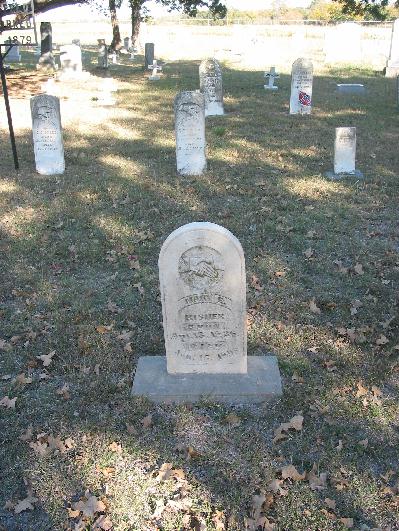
(46, 358)
(103, 522)
(313, 307)
(128, 347)
(232, 419)
(27, 435)
(72, 513)
(358, 269)
(165, 472)
(364, 443)
(309, 253)
(361, 390)
(64, 392)
(40, 448)
(89, 506)
(7, 402)
(125, 335)
(339, 447)
(290, 472)
(115, 447)
(347, 522)
(103, 329)
(21, 379)
(25, 505)
(341, 268)
(382, 340)
(297, 379)
(275, 486)
(331, 504)
(147, 421)
(316, 482)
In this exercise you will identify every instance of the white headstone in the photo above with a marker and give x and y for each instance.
(203, 292)
(202, 281)
(392, 69)
(345, 150)
(71, 60)
(190, 133)
(343, 43)
(271, 76)
(47, 134)
(211, 85)
(301, 87)
(155, 68)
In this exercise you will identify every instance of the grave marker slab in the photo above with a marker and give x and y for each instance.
(190, 133)
(203, 292)
(13, 56)
(47, 134)
(344, 153)
(148, 54)
(392, 68)
(351, 88)
(301, 87)
(211, 85)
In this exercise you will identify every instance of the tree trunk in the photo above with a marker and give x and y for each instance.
(116, 43)
(136, 18)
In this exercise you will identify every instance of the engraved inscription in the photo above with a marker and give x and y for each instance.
(201, 267)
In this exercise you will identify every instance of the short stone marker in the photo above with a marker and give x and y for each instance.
(71, 60)
(14, 55)
(190, 133)
(155, 68)
(301, 87)
(102, 59)
(203, 293)
(392, 68)
(148, 54)
(47, 134)
(211, 85)
(344, 153)
(351, 88)
(46, 60)
(271, 76)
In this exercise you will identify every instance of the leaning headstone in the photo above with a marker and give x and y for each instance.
(344, 153)
(190, 133)
(271, 76)
(71, 60)
(203, 293)
(351, 88)
(13, 56)
(47, 134)
(148, 54)
(301, 87)
(46, 60)
(211, 85)
(392, 68)
(102, 58)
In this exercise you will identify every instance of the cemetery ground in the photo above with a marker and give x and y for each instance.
(80, 303)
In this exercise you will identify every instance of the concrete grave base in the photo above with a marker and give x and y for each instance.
(266, 87)
(337, 176)
(261, 383)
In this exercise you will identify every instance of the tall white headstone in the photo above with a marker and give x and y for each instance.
(392, 68)
(203, 292)
(301, 87)
(190, 133)
(211, 85)
(47, 134)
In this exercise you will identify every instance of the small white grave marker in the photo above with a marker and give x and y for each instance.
(301, 87)
(344, 153)
(203, 292)
(155, 67)
(211, 85)
(271, 76)
(47, 134)
(190, 133)
(71, 60)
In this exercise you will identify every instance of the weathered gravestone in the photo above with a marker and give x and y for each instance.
(344, 153)
(46, 60)
(71, 60)
(203, 293)
(211, 85)
(351, 88)
(13, 56)
(47, 134)
(301, 87)
(190, 133)
(102, 57)
(392, 68)
(148, 54)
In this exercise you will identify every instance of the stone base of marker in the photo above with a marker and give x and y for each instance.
(337, 176)
(261, 383)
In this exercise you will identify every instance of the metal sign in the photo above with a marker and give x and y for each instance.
(17, 23)
(17, 27)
